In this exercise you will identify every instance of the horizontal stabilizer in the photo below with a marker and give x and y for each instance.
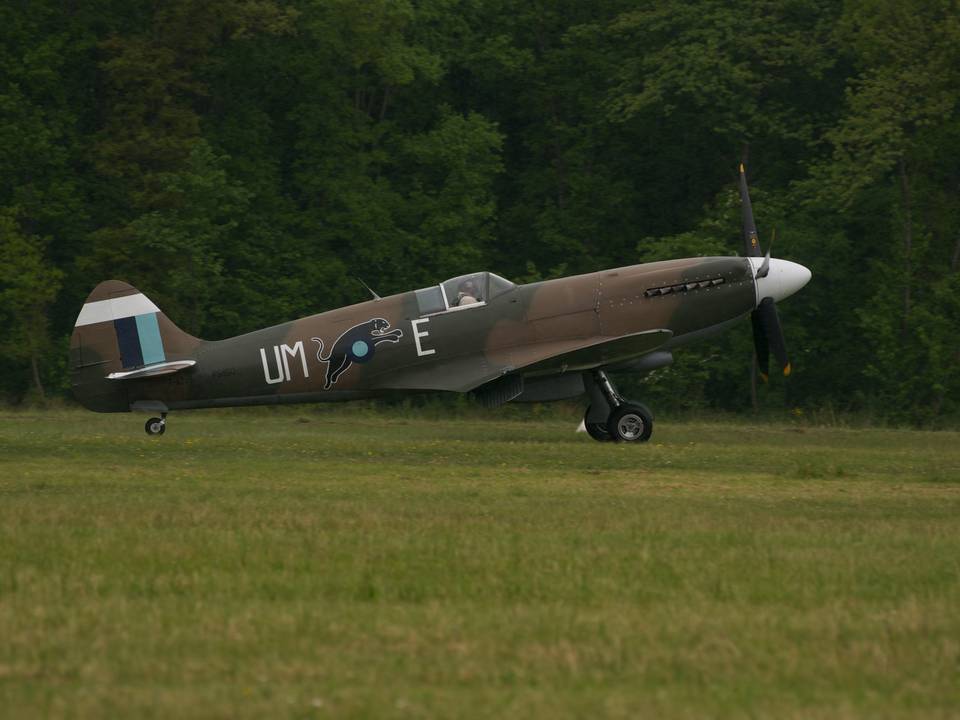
(164, 368)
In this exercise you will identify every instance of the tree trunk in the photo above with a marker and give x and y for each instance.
(954, 267)
(559, 162)
(388, 91)
(36, 375)
(906, 201)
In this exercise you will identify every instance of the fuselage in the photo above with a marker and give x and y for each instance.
(402, 342)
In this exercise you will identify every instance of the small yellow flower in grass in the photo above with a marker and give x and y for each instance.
(797, 412)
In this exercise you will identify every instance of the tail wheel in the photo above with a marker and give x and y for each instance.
(155, 426)
(630, 423)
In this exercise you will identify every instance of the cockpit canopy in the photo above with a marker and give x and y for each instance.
(462, 292)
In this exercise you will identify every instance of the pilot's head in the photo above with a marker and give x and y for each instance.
(468, 287)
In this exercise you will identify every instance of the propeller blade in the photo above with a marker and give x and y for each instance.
(767, 332)
(750, 241)
(764, 268)
(760, 346)
(773, 332)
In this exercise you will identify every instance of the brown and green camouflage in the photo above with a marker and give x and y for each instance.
(517, 342)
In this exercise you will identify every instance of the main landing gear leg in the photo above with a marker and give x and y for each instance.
(610, 417)
(156, 426)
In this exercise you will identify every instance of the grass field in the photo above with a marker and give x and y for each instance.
(348, 564)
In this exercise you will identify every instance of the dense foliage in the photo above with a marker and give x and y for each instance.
(242, 162)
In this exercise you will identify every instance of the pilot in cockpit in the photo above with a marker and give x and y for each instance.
(468, 293)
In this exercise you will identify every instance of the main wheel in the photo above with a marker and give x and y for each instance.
(155, 426)
(630, 423)
(635, 404)
(598, 431)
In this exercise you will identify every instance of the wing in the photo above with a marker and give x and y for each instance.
(459, 374)
(467, 372)
(598, 353)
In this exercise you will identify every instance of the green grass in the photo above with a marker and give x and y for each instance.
(330, 563)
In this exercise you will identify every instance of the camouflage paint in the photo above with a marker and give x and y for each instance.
(538, 330)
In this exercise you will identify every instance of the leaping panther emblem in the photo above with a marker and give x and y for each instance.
(356, 345)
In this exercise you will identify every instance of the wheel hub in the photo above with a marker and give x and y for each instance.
(630, 426)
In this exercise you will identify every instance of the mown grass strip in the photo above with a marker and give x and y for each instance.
(316, 563)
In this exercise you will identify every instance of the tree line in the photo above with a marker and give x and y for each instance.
(244, 162)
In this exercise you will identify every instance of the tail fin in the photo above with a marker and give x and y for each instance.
(121, 333)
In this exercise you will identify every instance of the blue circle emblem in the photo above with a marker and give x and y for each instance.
(360, 348)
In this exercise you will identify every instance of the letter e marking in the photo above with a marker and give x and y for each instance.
(417, 334)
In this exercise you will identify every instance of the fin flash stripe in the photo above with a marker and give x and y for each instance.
(151, 344)
(115, 309)
(139, 340)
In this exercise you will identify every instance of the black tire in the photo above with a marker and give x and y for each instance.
(635, 404)
(598, 431)
(155, 426)
(630, 423)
